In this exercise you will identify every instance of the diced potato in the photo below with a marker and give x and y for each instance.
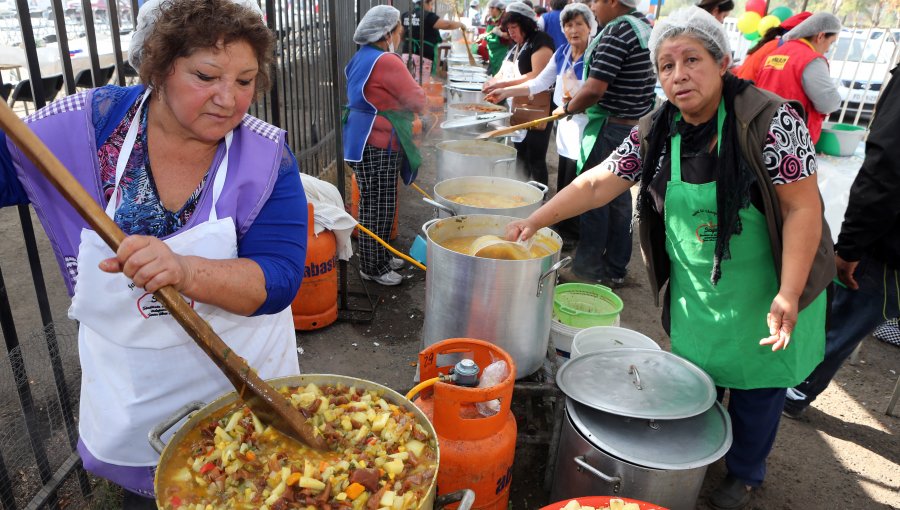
(345, 423)
(276, 493)
(616, 504)
(235, 417)
(308, 469)
(632, 506)
(414, 446)
(394, 467)
(380, 421)
(312, 388)
(572, 505)
(387, 499)
(359, 417)
(361, 434)
(182, 475)
(399, 455)
(223, 436)
(311, 483)
(341, 496)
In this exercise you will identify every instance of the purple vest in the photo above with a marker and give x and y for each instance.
(66, 127)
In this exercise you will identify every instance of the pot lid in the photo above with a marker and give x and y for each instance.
(467, 77)
(640, 383)
(466, 85)
(466, 68)
(474, 120)
(660, 444)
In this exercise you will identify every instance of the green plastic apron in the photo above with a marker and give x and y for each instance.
(497, 51)
(718, 327)
(596, 114)
(431, 48)
(401, 121)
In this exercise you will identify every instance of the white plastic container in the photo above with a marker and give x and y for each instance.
(562, 336)
(599, 338)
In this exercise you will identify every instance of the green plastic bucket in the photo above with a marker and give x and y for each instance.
(580, 305)
(840, 139)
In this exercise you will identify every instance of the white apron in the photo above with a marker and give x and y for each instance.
(138, 365)
(568, 130)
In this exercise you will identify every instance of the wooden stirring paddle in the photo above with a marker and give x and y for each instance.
(524, 125)
(269, 406)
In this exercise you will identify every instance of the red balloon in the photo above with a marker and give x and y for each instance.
(757, 6)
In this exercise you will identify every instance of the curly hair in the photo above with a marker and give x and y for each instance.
(186, 26)
(526, 24)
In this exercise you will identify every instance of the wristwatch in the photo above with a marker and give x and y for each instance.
(566, 108)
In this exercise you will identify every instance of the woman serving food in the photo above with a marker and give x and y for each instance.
(731, 218)
(212, 204)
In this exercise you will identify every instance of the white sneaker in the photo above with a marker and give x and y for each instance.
(390, 278)
(397, 263)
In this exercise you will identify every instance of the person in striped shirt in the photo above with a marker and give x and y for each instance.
(618, 89)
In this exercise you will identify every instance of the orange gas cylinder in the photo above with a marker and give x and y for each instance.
(315, 305)
(354, 209)
(476, 451)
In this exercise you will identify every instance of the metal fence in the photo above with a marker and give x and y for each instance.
(50, 44)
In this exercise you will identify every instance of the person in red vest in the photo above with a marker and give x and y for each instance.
(765, 46)
(798, 69)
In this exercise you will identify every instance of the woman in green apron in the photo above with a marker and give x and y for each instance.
(730, 216)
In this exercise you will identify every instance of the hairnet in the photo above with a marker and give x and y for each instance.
(146, 20)
(473, 3)
(693, 22)
(815, 24)
(377, 23)
(522, 9)
(575, 9)
(500, 4)
(629, 3)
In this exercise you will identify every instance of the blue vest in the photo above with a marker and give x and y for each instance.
(562, 57)
(553, 28)
(361, 113)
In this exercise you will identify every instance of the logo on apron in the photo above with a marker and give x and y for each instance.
(149, 307)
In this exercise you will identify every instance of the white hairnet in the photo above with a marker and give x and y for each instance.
(500, 4)
(377, 23)
(629, 3)
(815, 24)
(523, 9)
(146, 20)
(692, 22)
(576, 9)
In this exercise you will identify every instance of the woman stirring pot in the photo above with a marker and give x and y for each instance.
(212, 204)
(565, 72)
(731, 217)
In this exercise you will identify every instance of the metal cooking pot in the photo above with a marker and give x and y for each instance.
(661, 461)
(199, 411)
(458, 111)
(464, 92)
(464, 158)
(532, 192)
(505, 302)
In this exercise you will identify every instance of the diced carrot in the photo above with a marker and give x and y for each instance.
(293, 478)
(209, 466)
(354, 490)
(250, 456)
(176, 501)
(323, 466)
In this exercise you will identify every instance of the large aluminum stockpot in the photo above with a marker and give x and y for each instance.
(661, 461)
(199, 411)
(464, 158)
(531, 193)
(464, 92)
(505, 302)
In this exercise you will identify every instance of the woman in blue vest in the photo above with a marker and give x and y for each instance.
(382, 97)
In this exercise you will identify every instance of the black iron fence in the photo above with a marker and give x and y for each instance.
(51, 48)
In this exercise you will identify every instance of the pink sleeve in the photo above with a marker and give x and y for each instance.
(395, 78)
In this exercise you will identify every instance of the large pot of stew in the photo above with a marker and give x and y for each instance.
(384, 453)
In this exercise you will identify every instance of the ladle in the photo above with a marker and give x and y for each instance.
(495, 247)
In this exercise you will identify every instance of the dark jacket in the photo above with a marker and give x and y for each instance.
(872, 221)
(754, 108)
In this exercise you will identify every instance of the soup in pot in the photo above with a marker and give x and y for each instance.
(488, 200)
(381, 457)
(541, 247)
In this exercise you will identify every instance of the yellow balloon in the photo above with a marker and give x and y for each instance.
(749, 22)
(770, 21)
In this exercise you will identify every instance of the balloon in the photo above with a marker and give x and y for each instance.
(752, 36)
(783, 12)
(748, 23)
(757, 6)
(766, 23)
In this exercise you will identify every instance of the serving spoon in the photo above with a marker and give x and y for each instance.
(269, 406)
(495, 247)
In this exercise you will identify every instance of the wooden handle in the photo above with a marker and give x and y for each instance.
(465, 40)
(524, 125)
(268, 403)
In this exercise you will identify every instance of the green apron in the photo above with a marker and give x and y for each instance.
(497, 51)
(596, 114)
(401, 121)
(718, 327)
(414, 49)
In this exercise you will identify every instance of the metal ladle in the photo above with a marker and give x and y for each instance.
(495, 247)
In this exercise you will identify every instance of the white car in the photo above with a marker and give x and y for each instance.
(860, 62)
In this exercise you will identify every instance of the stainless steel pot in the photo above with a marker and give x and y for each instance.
(459, 111)
(505, 302)
(464, 158)
(659, 461)
(532, 192)
(463, 92)
(199, 411)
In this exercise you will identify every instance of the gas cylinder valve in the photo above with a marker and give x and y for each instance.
(465, 373)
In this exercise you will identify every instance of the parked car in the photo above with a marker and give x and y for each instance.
(860, 62)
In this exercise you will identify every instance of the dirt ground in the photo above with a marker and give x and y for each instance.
(844, 454)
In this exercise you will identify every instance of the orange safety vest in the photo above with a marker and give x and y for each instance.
(782, 73)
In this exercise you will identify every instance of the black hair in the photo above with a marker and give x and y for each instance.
(528, 25)
(558, 5)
